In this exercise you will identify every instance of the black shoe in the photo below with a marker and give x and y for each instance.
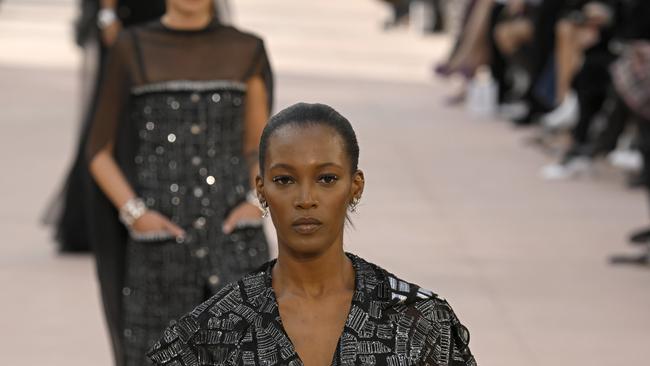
(641, 237)
(640, 260)
(535, 110)
(528, 120)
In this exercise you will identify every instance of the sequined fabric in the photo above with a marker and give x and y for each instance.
(391, 322)
(190, 168)
(170, 102)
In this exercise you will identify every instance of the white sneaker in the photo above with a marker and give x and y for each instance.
(563, 116)
(571, 169)
(626, 159)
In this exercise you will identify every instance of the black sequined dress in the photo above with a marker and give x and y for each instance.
(175, 107)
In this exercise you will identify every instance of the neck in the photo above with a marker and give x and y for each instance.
(186, 21)
(314, 276)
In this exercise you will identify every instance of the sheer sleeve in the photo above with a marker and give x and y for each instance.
(261, 67)
(113, 97)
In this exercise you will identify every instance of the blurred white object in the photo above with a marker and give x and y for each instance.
(573, 168)
(482, 93)
(626, 159)
(514, 110)
(563, 116)
(421, 16)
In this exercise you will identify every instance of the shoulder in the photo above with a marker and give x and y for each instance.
(222, 321)
(431, 316)
(432, 306)
(403, 296)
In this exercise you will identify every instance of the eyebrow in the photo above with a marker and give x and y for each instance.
(290, 167)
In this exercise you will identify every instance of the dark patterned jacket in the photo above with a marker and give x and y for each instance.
(391, 322)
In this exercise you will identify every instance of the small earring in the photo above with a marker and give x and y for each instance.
(264, 207)
(354, 204)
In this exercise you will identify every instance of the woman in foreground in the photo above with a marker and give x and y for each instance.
(315, 304)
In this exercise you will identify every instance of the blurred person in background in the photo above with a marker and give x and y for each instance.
(582, 44)
(471, 48)
(96, 30)
(631, 79)
(512, 26)
(401, 13)
(315, 304)
(173, 151)
(568, 37)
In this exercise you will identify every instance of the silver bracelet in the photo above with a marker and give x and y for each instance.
(106, 17)
(132, 210)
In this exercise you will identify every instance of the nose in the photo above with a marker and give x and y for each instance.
(306, 198)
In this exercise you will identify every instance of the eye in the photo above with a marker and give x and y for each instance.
(328, 179)
(282, 179)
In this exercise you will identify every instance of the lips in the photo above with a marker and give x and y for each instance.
(306, 225)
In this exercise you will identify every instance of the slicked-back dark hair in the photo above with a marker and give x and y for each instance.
(306, 115)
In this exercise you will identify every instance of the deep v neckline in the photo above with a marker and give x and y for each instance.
(277, 318)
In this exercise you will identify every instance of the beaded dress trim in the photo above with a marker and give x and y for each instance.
(188, 85)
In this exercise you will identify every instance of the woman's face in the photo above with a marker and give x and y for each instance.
(308, 186)
(190, 7)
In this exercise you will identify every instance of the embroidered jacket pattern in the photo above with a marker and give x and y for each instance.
(391, 322)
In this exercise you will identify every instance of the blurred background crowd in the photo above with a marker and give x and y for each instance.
(576, 71)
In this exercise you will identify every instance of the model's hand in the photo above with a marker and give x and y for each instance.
(109, 34)
(153, 222)
(244, 213)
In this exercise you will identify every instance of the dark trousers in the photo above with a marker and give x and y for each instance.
(644, 146)
(498, 63)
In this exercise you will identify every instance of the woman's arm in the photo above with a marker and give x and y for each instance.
(113, 99)
(113, 183)
(256, 113)
(112, 29)
(109, 177)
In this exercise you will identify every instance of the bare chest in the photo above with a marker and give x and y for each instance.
(315, 327)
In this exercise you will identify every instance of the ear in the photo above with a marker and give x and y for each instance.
(259, 188)
(358, 183)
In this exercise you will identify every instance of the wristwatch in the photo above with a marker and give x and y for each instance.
(106, 17)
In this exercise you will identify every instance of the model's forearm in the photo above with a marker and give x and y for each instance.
(256, 115)
(110, 178)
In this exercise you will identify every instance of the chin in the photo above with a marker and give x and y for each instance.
(193, 6)
(307, 247)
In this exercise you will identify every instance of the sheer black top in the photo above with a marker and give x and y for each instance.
(391, 322)
(154, 53)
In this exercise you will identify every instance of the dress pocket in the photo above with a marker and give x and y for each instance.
(151, 237)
